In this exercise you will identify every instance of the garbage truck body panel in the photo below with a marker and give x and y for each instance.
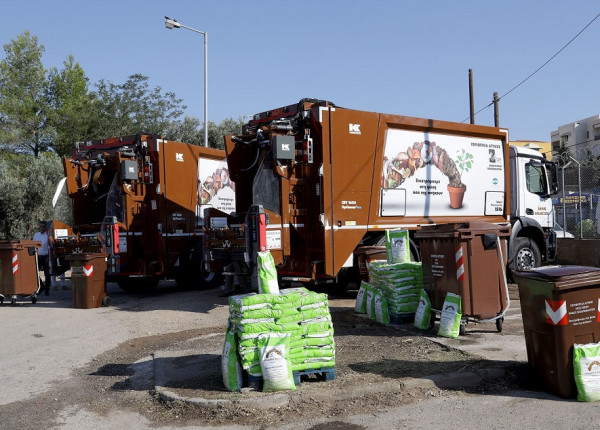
(140, 199)
(315, 182)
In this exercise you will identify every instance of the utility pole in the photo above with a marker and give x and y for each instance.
(496, 111)
(471, 102)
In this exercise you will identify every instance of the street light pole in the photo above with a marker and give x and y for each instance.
(173, 23)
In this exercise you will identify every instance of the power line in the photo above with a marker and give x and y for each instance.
(539, 68)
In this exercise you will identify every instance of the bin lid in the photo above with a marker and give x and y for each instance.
(464, 229)
(19, 244)
(559, 272)
(86, 257)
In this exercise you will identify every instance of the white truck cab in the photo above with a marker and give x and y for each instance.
(533, 181)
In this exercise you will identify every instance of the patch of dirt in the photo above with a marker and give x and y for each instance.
(368, 355)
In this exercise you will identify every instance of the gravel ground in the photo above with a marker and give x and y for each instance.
(64, 367)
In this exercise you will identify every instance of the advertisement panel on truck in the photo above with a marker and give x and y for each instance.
(428, 174)
(215, 187)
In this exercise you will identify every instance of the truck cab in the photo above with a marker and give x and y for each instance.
(533, 183)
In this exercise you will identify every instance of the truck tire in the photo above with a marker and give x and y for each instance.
(194, 275)
(526, 254)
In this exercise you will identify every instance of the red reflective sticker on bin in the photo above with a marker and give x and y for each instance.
(556, 312)
(88, 270)
(460, 265)
(598, 310)
(15, 263)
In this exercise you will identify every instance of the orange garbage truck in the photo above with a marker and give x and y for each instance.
(140, 200)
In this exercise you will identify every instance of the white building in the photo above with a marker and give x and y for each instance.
(581, 137)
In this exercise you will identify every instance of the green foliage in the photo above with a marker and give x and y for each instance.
(27, 184)
(24, 97)
(132, 108)
(586, 229)
(71, 116)
(190, 131)
(464, 161)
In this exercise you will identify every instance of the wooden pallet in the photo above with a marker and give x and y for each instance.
(403, 318)
(323, 374)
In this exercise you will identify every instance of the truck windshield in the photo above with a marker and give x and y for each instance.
(265, 188)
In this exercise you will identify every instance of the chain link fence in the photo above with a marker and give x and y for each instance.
(576, 205)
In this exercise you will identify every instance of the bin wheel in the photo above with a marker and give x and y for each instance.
(1, 300)
(13, 301)
(33, 299)
(106, 301)
(462, 329)
(432, 320)
(499, 323)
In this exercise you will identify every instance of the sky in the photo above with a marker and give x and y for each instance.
(400, 57)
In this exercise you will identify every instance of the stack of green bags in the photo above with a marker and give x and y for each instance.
(302, 313)
(400, 284)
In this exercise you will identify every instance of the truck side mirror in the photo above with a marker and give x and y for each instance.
(551, 173)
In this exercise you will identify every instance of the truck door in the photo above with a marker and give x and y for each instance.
(347, 181)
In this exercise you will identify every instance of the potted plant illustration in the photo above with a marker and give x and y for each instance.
(456, 189)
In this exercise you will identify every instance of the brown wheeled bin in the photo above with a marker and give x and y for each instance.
(468, 259)
(19, 270)
(560, 307)
(88, 280)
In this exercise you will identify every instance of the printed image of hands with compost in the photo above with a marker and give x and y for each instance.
(431, 172)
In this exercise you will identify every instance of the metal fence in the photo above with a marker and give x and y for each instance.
(576, 205)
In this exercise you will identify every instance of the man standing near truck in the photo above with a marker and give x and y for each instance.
(43, 255)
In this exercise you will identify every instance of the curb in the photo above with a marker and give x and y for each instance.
(276, 400)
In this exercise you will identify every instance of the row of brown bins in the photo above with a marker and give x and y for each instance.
(560, 305)
(19, 275)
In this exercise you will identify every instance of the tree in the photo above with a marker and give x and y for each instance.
(132, 108)
(226, 127)
(71, 115)
(24, 97)
(187, 131)
(27, 184)
(190, 131)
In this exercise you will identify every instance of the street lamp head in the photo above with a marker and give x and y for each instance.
(171, 23)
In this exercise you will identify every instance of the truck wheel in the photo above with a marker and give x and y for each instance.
(207, 279)
(527, 255)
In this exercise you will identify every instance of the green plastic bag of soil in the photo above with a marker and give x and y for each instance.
(586, 368)
(267, 274)
(382, 313)
(423, 314)
(230, 365)
(360, 307)
(275, 362)
(451, 316)
(397, 243)
(370, 303)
